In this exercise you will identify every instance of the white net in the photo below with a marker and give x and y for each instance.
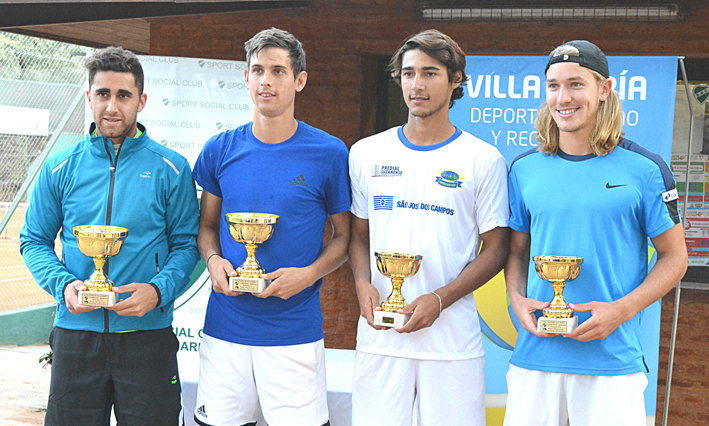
(41, 112)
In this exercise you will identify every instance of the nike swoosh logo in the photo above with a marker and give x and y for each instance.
(609, 186)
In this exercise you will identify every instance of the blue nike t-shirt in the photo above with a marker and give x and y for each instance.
(303, 180)
(602, 209)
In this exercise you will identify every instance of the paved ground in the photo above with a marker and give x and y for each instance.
(24, 385)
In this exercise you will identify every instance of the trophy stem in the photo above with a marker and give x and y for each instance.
(558, 308)
(395, 300)
(250, 268)
(98, 280)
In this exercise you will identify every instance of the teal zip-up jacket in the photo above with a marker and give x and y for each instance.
(149, 190)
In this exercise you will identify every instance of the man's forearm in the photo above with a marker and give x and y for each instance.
(666, 273)
(332, 257)
(360, 258)
(208, 242)
(517, 266)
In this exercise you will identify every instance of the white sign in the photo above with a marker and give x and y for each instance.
(24, 121)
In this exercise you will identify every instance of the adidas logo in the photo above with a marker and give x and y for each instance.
(300, 180)
(202, 412)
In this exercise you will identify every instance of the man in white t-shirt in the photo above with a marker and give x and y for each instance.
(428, 189)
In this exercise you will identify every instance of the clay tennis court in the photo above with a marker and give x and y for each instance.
(17, 287)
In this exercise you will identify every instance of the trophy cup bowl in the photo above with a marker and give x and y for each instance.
(396, 266)
(99, 242)
(558, 318)
(250, 229)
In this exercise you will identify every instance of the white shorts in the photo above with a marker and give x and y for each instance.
(446, 392)
(539, 398)
(287, 382)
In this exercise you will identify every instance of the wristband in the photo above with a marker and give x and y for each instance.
(210, 256)
(440, 303)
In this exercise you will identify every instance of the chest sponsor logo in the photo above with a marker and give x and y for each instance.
(386, 171)
(450, 179)
(299, 180)
(383, 202)
(670, 195)
(146, 175)
(429, 207)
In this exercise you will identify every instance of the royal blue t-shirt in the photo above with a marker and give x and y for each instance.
(303, 180)
(602, 209)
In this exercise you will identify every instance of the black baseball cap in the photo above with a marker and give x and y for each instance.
(589, 56)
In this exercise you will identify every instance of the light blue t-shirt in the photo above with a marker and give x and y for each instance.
(303, 180)
(602, 209)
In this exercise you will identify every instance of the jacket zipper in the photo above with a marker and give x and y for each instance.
(109, 208)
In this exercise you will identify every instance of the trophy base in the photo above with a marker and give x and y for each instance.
(390, 319)
(557, 325)
(248, 285)
(97, 298)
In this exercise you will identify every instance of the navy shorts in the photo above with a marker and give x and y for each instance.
(133, 372)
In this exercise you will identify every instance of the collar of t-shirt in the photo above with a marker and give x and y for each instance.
(117, 146)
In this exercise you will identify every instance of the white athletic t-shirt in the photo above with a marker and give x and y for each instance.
(434, 201)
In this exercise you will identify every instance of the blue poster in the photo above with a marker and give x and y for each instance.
(499, 105)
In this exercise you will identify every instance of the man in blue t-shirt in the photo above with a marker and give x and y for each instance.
(265, 350)
(587, 192)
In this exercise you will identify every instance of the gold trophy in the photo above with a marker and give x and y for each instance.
(397, 266)
(558, 317)
(99, 242)
(250, 229)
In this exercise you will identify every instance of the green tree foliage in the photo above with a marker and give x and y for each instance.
(36, 59)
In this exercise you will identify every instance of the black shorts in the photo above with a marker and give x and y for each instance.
(134, 372)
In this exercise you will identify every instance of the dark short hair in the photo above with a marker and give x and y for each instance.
(441, 48)
(115, 59)
(273, 37)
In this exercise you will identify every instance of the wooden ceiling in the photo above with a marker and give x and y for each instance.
(112, 23)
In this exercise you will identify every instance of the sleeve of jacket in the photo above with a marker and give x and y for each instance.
(182, 226)
(42, 223)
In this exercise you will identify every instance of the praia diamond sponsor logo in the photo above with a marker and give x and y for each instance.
(670, 195)
(450, 179)
(382, 171)
(299, 180)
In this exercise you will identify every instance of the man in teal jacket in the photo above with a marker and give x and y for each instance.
(124, 356)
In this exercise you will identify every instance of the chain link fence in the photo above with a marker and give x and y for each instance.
(41, 112)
